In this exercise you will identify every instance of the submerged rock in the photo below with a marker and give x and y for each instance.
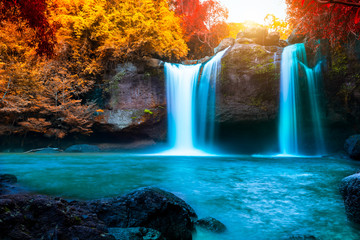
(82, 148)
(350, 192)
(300, 237)
(7, 182)
(41, 217)
(137, 233)
(211, 224)
(149, 208)
(352, 147)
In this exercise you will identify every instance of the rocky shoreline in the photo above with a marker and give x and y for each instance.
(146, 213)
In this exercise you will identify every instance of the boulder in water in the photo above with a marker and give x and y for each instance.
(225, 43)
(150, 208)
(7, 182)
(82, 148)
(211, 224)
(350, 192)
(352, 146)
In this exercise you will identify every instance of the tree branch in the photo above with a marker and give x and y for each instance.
(347, 3)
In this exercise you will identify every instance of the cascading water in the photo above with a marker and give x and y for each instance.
(205, 103)
(191, 106)
(299, 104)
(180, 88)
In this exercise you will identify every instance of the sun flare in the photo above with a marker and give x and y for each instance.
(244, 10)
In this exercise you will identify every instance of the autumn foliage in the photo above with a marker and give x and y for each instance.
(325, 20)
(54, 52)
(204, 24)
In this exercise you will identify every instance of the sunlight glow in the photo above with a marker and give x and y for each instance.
(245, 10)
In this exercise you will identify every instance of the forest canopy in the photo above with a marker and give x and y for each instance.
(54, 52)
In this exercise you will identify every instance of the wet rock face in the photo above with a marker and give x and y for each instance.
(40, 217)
(225, 43)
(352, 147)
(136, 101)
(350, 192)
(151, 208)
(248, 88)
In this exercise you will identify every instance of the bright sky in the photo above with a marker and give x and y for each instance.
(254, 10)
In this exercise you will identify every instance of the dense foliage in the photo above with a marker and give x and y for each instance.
(34, 15)
(46, 95)
(204, 24)
(318, 19)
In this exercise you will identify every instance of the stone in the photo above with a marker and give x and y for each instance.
(300, 237)
(153, 62)
(272, 39)
(44, 150)
(248, 89)
(137, 233)
(8, 178)
(352, 146)
(150, 208)
(41, 217)
(283, 43)
(7, 184)
(225, 43)
(244, 40)
(211, 224)
(257, 33)
(82, 148)
(350, 192)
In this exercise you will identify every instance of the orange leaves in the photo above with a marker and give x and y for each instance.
(277, 25)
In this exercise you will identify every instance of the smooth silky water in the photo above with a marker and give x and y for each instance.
(256, 198)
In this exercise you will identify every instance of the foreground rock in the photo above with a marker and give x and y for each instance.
(350, 192)
(138, 233)
(7, 184)
(147, 213)
(40, 217)
(211, 224)
(151, 208)
(352, 147)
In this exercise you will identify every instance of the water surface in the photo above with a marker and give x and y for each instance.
(256, 198)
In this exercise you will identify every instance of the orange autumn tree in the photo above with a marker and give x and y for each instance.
(33, 15)
(49, 96)
(275, 24)
(25, 104)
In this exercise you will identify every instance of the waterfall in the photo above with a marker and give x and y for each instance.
(299, 122)
(180, 88)
(191, 105)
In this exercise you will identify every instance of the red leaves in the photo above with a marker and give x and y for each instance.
(34, 13)
(203, 23)
(324, 20)
(357, 17)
